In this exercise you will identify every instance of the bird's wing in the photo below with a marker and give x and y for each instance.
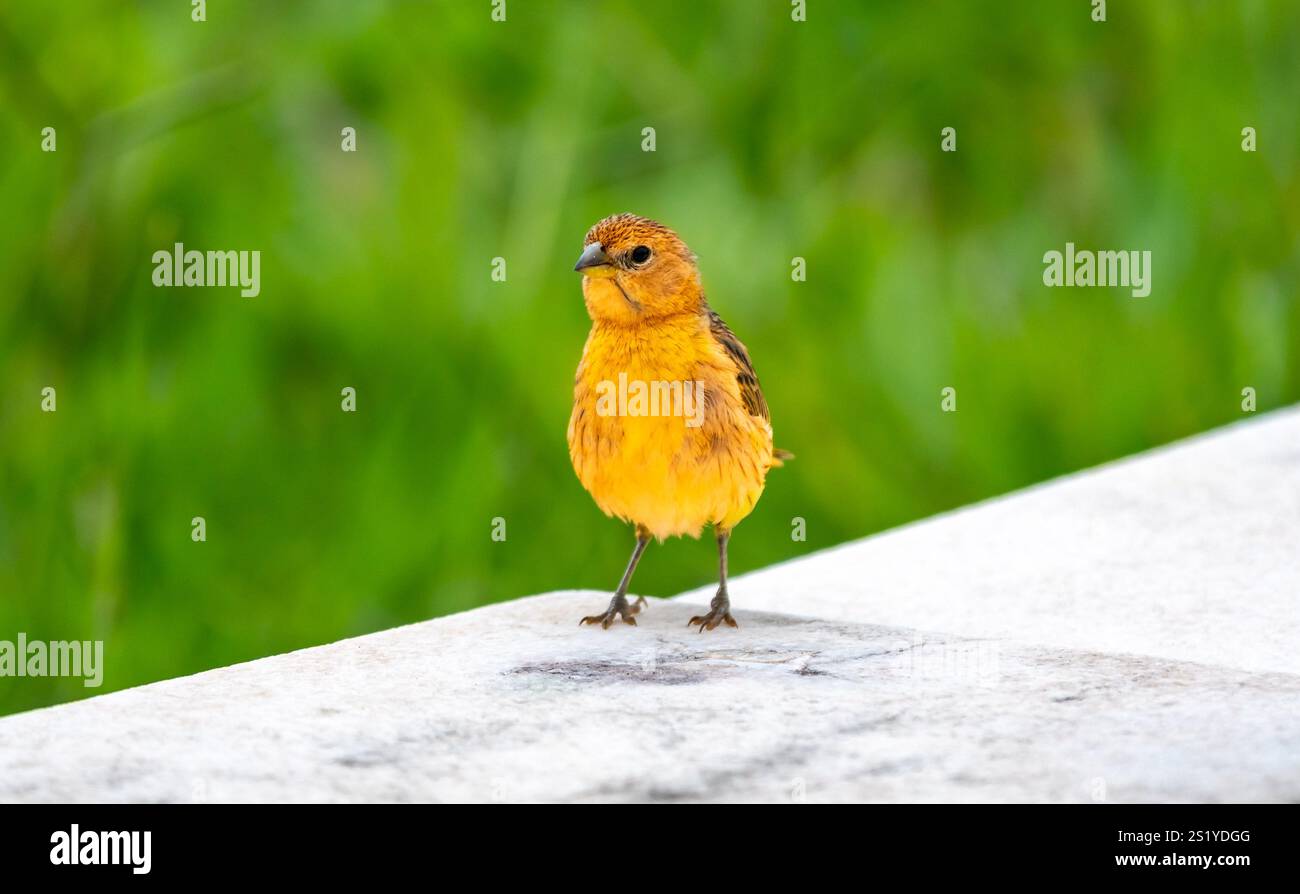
(750, 392)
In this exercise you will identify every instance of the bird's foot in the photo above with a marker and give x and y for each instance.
(637, 607)
(719, 613)
(618, 608)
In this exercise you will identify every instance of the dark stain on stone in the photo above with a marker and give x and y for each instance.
(361, 760)
(608, 671)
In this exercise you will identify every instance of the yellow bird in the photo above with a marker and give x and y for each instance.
(670, 430)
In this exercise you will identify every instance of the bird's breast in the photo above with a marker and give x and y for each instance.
(658, 435)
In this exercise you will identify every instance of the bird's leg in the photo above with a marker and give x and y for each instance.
(642, 536)
(720, 607)
(618, 607)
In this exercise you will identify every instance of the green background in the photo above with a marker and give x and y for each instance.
(477, 139)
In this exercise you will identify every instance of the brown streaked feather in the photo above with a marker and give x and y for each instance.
(750, 391)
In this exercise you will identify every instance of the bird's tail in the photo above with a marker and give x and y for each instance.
(779, 457)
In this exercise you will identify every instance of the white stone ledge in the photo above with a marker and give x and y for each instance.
(1129, 632)
(1189, 552)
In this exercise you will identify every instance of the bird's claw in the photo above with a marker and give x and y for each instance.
(607, 619)
(637, 607)
(712, 620)
(618, 608)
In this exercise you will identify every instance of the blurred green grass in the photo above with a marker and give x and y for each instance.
(477, 140)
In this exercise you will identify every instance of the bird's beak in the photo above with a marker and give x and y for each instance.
(592, 256)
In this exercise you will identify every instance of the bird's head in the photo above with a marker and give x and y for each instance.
(635, 269)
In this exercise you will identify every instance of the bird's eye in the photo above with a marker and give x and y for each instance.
(640, 254)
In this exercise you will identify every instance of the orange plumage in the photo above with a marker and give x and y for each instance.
(695, 449)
